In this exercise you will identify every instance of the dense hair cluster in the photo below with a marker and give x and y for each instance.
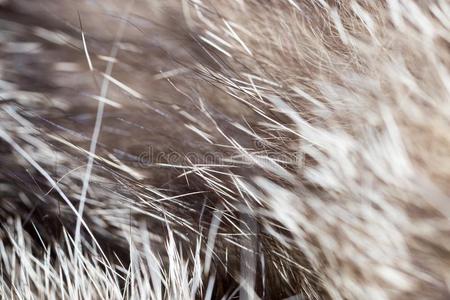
(217, 149)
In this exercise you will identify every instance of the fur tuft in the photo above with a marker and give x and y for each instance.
(240, 149)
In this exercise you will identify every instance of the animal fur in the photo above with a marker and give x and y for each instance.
(212, 149)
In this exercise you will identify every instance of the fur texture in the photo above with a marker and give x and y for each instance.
(220, 149)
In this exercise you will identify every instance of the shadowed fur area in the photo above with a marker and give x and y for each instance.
(225, 149)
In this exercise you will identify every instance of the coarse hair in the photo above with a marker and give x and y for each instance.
(218, 149)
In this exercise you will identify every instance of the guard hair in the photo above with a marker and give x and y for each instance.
(225, 149)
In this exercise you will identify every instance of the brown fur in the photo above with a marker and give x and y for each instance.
(351, 102)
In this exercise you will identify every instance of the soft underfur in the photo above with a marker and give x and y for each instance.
(219, 149)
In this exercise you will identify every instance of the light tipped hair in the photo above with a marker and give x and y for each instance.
(200, 149)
